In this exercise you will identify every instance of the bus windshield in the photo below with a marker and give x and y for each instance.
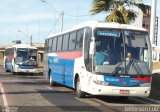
(26, 56)
(121, 52)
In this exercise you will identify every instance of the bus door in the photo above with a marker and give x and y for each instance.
(87, 68)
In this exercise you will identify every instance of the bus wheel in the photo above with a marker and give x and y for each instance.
(79, 93)
(123, 97)
(51, 82)
(6, 69)
(13, 71)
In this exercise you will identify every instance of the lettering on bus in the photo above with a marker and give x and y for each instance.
(56, 60)
(112, 79)
(108, 33)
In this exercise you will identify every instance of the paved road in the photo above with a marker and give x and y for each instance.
(25, 93)
(155, 91)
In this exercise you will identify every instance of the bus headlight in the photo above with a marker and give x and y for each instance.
(16, 66)
(99, 82)
(145, 85)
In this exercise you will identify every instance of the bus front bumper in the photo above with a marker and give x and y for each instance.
(120, 91)
(28, 71)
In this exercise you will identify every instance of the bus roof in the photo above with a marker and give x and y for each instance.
(99, 24)
(21, 46)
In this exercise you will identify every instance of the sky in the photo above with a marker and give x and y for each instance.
(21, 19)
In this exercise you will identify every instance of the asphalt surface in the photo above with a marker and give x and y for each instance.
(155, 90)
(31, 93)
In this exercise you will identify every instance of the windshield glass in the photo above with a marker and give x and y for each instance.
(121, 52)
(26, 56)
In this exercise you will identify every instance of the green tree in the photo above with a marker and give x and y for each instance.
(121, 11)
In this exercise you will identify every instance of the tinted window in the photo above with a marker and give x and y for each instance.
(9, 51)
(79, 43)
(46, 46)
(72, 40)
(50, 45)
(54, 44)
(65, 42)
(59, 44)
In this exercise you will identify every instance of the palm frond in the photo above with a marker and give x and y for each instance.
(115, 16)
(143, 7)
(118, 10)
(100, 6)
(131, 16)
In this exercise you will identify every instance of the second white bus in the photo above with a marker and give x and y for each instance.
(21, 58)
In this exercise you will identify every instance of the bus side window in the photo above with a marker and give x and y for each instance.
(50, 45)
(54, 45)
(59, 45)
(46, 46)
(79, 43)
(72, 40)
(65, 42)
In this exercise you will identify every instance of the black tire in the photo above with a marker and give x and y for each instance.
(51, 82)
(13, 71)
(123, 97)
(79, 92)
(6, 69)
(31, 73)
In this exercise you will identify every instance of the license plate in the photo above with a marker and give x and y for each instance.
(124, 91)
(26, 70)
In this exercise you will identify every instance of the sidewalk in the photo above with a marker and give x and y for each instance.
(156, 67)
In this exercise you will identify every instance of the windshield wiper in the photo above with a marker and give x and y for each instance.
(137, 67)
(131, 62)
(116, 68)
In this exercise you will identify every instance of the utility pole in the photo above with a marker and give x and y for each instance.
(77, 12)
(27, 34)
(61, 13)
(62, 18)
(153, 19)
(39, 31)
(31, 40)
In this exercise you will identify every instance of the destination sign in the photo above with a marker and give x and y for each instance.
(108, 33)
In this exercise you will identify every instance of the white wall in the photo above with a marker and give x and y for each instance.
(139, 19)
(155, 53)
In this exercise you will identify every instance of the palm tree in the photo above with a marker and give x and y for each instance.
(121, 11)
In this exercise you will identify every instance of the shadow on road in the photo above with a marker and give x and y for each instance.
(155, 90)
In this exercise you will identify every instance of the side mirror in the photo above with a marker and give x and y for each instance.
(92, 47)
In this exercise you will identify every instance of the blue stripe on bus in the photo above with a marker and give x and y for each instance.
(62, 70)
(9, 64)
(126, 81)
(25, 67)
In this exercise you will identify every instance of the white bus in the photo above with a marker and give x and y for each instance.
(21, 58)
(92, 58)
